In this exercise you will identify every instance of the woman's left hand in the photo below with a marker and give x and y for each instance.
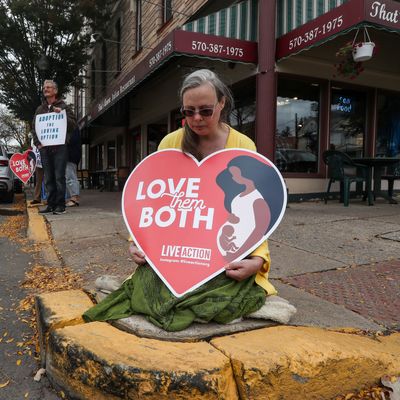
(240, 270)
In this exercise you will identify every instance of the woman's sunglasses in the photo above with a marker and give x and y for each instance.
(204, 112)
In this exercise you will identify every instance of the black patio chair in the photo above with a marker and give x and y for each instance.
(343, 169)
(392, 173)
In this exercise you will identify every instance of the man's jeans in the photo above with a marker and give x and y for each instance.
(54, 161)
(72, 180)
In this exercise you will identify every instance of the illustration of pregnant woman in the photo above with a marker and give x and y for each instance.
(253, 208)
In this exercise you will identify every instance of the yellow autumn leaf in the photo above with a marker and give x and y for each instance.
(19, 362)
(9, 340)
(2, 385)
(26, 394)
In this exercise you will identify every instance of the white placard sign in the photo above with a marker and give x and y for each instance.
(51, 128)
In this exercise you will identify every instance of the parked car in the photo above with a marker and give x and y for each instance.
(296, 160)
(6, 177)
(18, 187)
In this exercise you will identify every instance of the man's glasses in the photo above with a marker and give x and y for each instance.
(203, 112)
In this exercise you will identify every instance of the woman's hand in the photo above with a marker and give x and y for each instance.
(136, 254)
(240, 270)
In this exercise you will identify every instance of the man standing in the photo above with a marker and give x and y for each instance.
(54, 158)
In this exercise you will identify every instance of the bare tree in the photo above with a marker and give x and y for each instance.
(13, 131)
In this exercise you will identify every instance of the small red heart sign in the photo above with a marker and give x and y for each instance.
(23, 165)
(191, 218)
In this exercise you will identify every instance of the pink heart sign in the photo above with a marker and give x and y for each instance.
(191, 218)
(23, 165)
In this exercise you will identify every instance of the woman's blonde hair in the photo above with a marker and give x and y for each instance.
(192, 81)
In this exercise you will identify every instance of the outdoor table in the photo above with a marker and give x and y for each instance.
(104, 179)
(375, 166)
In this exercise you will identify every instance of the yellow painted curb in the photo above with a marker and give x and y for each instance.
(57, 310)
(37, 230)
(99, 361)
(307, 363)
(96, 359)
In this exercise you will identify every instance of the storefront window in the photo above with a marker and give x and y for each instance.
(347, 122)
(243, 116)
(388, 128)
(297, 126)
(99, 157)
(155, 133)
(120, 151)
(111, 154)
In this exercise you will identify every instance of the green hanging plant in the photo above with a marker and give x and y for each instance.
(347, 67)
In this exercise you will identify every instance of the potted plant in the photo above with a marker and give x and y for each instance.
(347, 67)
(353, 54)
(363, 51)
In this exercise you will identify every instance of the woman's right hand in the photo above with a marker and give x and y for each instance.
(136, 254)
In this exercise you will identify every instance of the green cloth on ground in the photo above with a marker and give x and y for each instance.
(221, 300)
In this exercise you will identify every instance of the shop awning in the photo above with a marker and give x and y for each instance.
(293, 13)
(239, 21)
(381, 14)
(177, 42)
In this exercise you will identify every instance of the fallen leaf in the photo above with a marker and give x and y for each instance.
(19, 362)
(2, 385)
(39, 374)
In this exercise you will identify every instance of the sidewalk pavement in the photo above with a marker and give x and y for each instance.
(339, 266)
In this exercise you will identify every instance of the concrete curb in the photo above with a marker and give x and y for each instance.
(38, 233)
(98, 361)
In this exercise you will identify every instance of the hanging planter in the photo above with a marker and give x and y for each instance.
(353, 54)
(363, 51)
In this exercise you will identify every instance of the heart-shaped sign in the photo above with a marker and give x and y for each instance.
(23, 165)
(191, 218)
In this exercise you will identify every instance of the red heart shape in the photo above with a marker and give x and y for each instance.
(23, 165)
(182, 213)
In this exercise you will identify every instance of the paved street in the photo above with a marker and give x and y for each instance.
(17, 363)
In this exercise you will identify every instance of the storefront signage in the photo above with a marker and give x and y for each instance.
(343, 105)
(193, 218)
(384, 13)
(23, 165)
(329, 24)
(179, 42)
(215, 46)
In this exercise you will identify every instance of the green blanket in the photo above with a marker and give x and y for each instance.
(221, 299)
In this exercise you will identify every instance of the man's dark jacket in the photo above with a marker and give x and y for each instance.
(75, 147)
(44, 108)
